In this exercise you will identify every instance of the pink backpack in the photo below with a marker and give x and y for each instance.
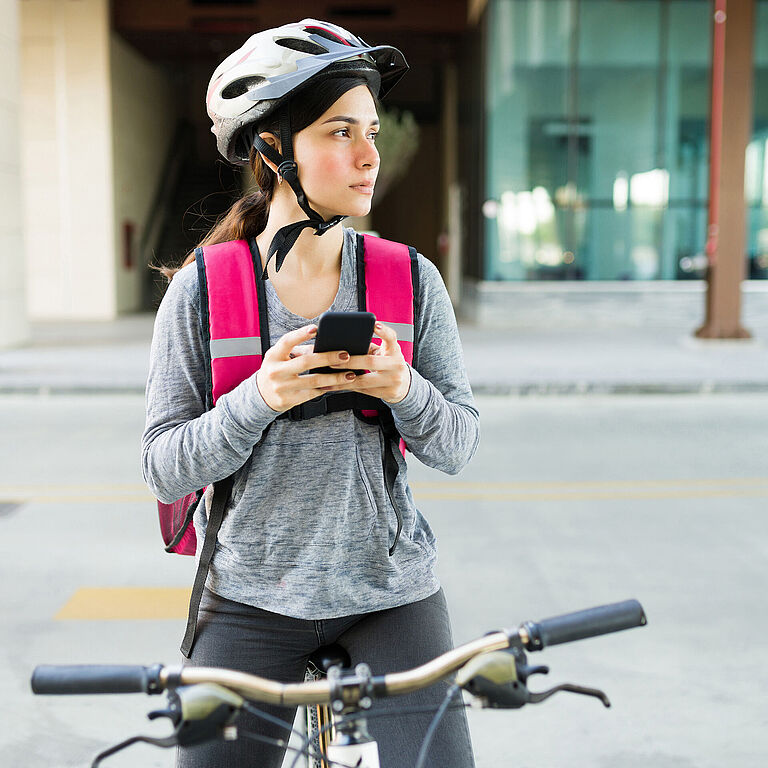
(236, 342)
(230, 278)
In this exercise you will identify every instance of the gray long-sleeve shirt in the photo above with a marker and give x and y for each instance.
(309, 524)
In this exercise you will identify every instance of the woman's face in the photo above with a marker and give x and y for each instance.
(337, 157)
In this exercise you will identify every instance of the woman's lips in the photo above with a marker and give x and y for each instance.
(363, 189)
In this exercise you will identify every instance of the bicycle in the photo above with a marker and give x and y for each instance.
(204, 702)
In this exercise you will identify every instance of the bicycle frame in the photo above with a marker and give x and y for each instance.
(317, 722)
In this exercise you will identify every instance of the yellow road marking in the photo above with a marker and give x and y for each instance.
(693, 488)
(116, 499)
(581, 496)
(91, 493)
(591, 483)
(125, 603)
(592, 491)
(70, 487)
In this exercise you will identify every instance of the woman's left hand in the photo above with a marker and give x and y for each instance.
(388, 376)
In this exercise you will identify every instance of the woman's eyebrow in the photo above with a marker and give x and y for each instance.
(347, 119)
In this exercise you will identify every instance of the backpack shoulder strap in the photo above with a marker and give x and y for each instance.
(388, 274)
(233, 314)
(388, 286)
(221, 493)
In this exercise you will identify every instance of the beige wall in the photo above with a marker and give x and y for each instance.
(13, 321)
(67, 159)
(144, 116)
(96, 130)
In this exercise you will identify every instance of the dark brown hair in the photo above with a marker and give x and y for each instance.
(248, 216)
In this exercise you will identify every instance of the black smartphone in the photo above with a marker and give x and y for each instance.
(344, 332)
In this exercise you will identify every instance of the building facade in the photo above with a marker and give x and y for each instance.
(563, 143)
(596, 141)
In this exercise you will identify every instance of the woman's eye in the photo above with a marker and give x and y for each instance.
(345, 132)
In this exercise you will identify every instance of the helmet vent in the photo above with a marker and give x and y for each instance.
(241, 85)
(327, 34)
(305, 46)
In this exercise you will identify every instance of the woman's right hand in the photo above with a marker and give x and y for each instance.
(279, 381)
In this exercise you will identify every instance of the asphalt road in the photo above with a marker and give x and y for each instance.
(570, 502)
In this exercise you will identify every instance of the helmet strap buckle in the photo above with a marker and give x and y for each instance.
(289, 171)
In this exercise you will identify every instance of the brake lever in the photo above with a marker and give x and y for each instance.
(500, 678)
(167, 741)
(199, 713)
(535, 698)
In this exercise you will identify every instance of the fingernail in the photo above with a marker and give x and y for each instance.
(349, 376)
(311, 328)
(343, 355)
(378, 325)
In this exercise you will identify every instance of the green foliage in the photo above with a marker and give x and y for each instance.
(397, 143)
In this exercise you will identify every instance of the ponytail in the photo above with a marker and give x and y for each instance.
(246, 218)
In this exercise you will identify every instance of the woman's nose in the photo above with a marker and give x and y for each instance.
(368, 156)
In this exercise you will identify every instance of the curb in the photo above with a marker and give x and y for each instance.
(558, 389)
(526, 389)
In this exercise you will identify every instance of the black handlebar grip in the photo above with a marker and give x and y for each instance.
(95, 678)
(582, 624)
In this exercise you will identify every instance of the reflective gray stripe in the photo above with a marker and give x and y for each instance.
(404, 331)
(250, 345)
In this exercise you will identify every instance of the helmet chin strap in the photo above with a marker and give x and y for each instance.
(285, 238)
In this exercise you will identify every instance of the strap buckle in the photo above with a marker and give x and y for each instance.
(288, 170)
(310, 409)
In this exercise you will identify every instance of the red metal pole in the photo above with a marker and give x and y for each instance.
(716, 129)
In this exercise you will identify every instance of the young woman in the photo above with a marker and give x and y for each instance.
(308, 552)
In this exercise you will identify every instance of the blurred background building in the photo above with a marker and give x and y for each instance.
(558, 140)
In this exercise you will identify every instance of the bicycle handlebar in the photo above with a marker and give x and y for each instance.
(533, 636)
(94, 678)
(582, 624)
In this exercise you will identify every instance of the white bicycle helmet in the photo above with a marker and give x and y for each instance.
(257, 77)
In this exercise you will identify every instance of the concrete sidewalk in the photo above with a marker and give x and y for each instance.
(599, 357)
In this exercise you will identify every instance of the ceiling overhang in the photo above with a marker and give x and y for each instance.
(173, 29)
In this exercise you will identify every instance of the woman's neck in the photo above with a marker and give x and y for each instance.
(312, 256)
(308, 281)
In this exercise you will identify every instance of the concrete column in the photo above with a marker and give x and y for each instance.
(13, 305)
(68, 200)
(727, 266)
(449, 245)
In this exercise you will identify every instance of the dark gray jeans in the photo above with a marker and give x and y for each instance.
(259, 642)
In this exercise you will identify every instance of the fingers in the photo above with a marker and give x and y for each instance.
(328, 382)
(375, 361)
(308, 361)
(380, 357)
(282, 348)
(388, 338)
(301, 349)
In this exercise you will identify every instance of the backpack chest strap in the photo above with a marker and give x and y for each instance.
(332, 403)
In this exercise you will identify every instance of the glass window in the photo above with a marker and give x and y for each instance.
(526, 89)
(756, 167)
(597, 138)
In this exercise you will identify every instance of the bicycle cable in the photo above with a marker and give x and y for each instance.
(282, 743)
(449, 696)
(256, 712)
(304, 749)
(369, 716)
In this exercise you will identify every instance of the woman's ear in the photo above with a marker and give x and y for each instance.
(273, 142)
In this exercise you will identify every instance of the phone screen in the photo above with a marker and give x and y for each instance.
(344, 332)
